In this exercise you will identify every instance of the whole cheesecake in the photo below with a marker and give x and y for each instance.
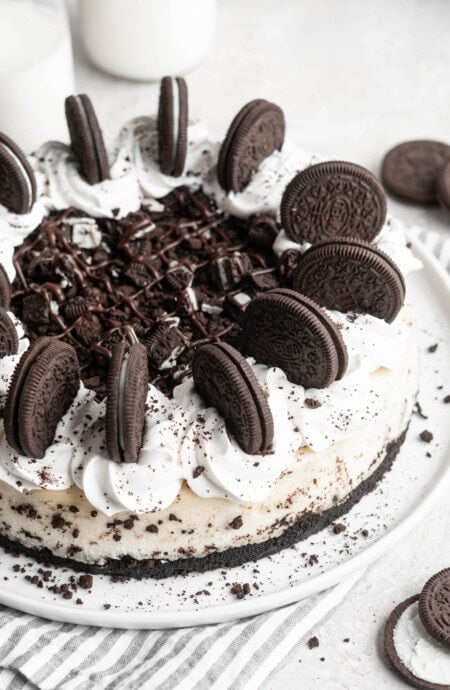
(278, 270)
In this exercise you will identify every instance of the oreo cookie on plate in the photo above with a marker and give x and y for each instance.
(44, 384)
(86, 138)
(333, 199)
(351, 275)
(17, 181)
(225, 380)
(411, 170)
(285, 329)
(257, 131)
(127, 389)
(172, 125)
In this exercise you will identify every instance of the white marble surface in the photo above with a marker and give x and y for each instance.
(354, 78)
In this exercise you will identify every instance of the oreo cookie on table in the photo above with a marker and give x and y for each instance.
(127, 389)
(351, 275)
(411, 170)
(285, 329)
(17, 181)
(333, 199)
(9, 341)
(257, 131)
(172, 125)
(44, 384)
(434, 607)
(86, 138)
(225, 380)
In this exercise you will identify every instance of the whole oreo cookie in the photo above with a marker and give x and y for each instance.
(411, 170)
(86, 138)
(333, 199)
(9, 341)
(256, 132)
(434, 606)
(443, 186)
(351, 275)
(43, 386)
(17, 181)
(224, 379)
(285, 329)
(172, 125)
(5, 289)
(127, 390)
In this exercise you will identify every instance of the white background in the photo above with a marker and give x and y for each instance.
(354, 78)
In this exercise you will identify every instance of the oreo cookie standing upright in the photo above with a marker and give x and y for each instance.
(172, 125)
(351, 275)
(127, 389)
(86, 138)
(9, 341)
(257, 131)
(411, 170)
(333, 199)
(225, 380)
(17, 181)
(44, 384)
(5, 289)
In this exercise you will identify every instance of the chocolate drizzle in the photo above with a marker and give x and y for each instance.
(187, 267)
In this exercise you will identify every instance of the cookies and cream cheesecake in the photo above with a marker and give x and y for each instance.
(208, 352)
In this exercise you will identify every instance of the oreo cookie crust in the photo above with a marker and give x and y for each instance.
(17, 181)
(9, 341)
(411, 170)
(434, 606)
(257, 131)
(172, 125)
(225, 381)
(285, 329)
(44, 384)
(86, 138)
(351, 275)
(127, 390)
(333, 199)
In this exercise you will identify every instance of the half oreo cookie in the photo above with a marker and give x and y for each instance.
(86, 138)
(434, 607)
(333, 199)
(172, 125)
(9, 342)
(224, 379)
(17, 181)
(127, 390)
(285, 329)
(44, 384)
(347, 274)
(256, 132)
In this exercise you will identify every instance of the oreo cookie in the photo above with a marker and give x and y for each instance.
(44, 384)
(434, 607)
(443, 186)
(86, 138)
(333, 199)
(226, 381)
(257, 131)
(172, 125)
(9, 341)
(411, 170)
(17, 181)
(285, 329)
(5, 289)
(351, 275)
(127, 389)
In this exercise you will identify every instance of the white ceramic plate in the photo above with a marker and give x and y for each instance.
(399, 503)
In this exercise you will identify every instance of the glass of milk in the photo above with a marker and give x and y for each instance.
(36, 70)
(147, 39)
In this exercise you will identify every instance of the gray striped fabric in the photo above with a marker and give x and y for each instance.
(40, 654)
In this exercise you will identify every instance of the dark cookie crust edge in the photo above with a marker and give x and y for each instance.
(304, 528)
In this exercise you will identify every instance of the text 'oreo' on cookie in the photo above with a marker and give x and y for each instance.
(86, 138)
(333, 199)
(43, 386)
(225, 380)
(411, 170)
(17, 181)
(172, 125)
(127, 389)
(285, 329)
(257, 131)
(351, 275)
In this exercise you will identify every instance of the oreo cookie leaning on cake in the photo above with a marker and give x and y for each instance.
(210, 332)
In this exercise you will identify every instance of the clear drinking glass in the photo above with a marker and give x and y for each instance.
(36, 70)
